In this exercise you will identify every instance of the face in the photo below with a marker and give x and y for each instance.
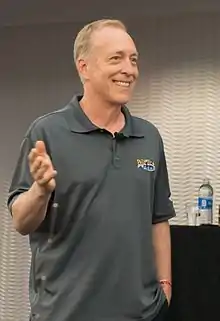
(110, 69)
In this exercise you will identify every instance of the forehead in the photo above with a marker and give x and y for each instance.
(112, 39)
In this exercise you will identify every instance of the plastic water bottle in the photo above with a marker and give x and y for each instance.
(205, 202)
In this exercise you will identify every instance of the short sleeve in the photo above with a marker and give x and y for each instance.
(163, 209)
(21, 179)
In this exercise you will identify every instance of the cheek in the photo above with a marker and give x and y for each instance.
(136, 72)
(97, 74)
(102, 79)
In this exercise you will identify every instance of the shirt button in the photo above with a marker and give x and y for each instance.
(36, 316)
(117, 162)
(101, 130)
(43, 277)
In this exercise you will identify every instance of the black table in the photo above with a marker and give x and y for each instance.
(196, 273)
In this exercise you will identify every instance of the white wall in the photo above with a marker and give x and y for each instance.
(179, 91)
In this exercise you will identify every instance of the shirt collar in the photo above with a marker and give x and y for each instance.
(78, 122)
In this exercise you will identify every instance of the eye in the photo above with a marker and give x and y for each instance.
(115, 58)
(134, 60)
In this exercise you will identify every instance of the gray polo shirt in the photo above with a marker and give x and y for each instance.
(92, 256)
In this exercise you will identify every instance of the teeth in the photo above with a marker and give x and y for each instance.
(122, 83)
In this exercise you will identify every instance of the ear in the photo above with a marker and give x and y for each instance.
(82, 68)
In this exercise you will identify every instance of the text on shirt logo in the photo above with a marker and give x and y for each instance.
(146, 164)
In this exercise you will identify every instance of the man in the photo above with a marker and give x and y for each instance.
(91, 190)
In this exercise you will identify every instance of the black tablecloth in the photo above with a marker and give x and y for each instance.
(196, 273)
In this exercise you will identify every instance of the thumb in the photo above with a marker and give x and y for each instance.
(40, 147)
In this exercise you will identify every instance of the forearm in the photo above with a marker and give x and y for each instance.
(162, 250)
(29, 209)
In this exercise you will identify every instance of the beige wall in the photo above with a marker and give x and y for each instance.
(179, 91)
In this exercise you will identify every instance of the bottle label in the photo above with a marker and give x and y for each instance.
(205, 203)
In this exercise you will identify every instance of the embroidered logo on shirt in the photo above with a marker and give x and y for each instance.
(146, 164)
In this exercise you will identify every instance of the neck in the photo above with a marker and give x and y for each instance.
(102, 113)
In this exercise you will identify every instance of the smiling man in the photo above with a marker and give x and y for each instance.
(91, 190)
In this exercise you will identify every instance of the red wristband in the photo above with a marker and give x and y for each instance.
(166, 282)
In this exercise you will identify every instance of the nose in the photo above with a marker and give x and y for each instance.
(129, 68)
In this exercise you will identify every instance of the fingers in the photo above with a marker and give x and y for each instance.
(40, 147)
(44, 167)
(41, 167)
(42, 170)
(46, 177)
(34, 154)
(35, 162)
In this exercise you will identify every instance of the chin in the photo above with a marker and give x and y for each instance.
(121, 99)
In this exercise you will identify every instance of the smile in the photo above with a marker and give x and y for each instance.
(122, 83)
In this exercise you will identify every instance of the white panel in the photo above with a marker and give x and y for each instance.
(179, 92)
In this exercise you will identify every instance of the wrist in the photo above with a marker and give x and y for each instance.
(166, 282)
(40, 191)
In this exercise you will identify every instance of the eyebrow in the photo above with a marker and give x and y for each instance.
(120, 52)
